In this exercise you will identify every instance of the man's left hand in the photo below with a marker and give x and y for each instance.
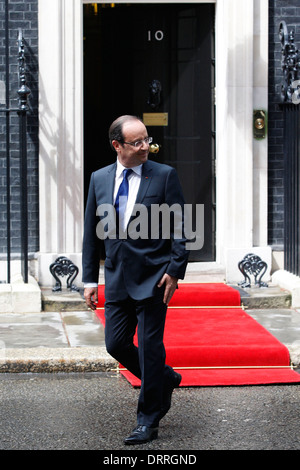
(170, 286)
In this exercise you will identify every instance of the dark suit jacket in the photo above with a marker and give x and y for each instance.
(133, 266)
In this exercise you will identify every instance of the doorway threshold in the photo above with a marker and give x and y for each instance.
(209, 271)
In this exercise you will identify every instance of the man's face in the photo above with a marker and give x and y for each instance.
(129, 155)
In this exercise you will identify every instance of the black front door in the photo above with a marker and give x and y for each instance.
(155, 61)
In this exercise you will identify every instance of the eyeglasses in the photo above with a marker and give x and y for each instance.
(139, 143)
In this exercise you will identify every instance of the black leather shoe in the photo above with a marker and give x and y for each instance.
(167, 396)
(141, 434)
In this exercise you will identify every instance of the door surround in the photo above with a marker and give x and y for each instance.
(241, 162)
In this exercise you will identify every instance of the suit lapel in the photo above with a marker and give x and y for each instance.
(146, 178)
(110, 182)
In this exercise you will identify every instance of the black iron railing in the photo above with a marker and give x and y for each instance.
(23, 92)
(290, 96)
(291, 188)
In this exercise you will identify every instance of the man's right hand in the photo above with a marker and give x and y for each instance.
(91, 297)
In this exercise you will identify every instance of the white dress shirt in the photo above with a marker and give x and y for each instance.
(134, 180)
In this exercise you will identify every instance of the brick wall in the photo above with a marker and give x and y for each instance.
(22, 14)
(289, 11)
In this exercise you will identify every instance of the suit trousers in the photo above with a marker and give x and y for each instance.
(147, 360)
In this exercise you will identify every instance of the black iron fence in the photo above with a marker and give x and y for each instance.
(291, 189)
(290, 95)
(21, 111)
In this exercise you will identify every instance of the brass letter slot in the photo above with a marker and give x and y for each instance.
(155, 119)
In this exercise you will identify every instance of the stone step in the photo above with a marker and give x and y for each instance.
(252, 298)
(264, 297)
(63, 301)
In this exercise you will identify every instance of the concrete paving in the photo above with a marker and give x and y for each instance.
(95, 411)
(72, 337)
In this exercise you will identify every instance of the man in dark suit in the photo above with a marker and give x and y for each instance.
(142, 265)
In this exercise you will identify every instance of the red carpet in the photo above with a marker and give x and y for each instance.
(212, 341)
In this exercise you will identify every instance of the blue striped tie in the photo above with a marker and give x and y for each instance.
(122, 196)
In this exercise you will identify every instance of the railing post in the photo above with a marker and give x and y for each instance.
(23, 93)
(7, 144)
